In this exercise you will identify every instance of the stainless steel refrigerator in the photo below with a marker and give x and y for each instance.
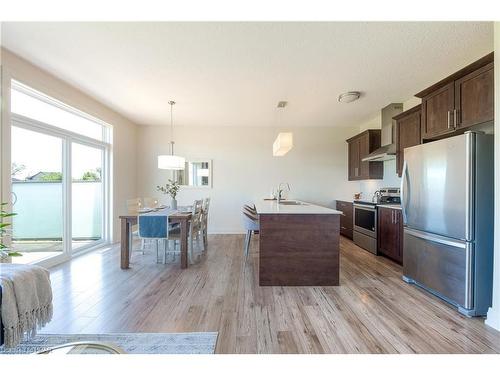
(447, 202)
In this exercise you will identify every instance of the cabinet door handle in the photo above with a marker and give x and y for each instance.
(455, 117)
(392, 217)
(448, 118)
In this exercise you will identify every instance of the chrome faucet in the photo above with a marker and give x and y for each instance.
(281, 189)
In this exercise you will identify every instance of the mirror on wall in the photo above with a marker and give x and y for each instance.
(196, 173)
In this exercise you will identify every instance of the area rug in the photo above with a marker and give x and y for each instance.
(131, 343)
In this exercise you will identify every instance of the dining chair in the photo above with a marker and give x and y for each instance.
(251, 224)
(155, 229)
(150, 202)
(195, 229)
(133, 205)
(204, 221)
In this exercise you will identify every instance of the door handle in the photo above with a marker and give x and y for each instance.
(455, 117)
(404, 179)
(436, 238)
(448, 119)
(469, 275)
(392, 217)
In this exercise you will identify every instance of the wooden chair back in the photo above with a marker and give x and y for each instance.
(196, 212)
(150, 202)
(134, 204)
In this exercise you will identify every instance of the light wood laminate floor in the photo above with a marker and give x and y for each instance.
(372, 311)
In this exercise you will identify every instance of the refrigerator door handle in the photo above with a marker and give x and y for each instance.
(403, 192)
(469, 184)
(436, 238)
(469, 275)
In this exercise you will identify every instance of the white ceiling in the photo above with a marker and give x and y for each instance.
(233, 74)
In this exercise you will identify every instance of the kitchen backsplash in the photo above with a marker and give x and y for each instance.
(391, 179)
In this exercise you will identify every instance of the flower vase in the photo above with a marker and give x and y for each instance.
(173, 204)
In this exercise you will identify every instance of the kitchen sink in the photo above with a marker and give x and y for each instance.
(293, 203)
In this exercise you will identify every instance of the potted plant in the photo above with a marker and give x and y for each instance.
(5, 252)
(171, 188)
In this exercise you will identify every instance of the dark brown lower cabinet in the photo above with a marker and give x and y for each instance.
(390, 233)
(346, 223)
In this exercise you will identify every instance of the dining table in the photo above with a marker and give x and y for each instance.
(178, 216)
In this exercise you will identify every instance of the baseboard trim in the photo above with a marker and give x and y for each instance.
(226, 232)
(493, 318)
(211, 232)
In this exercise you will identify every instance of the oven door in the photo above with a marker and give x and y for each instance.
(365, 220)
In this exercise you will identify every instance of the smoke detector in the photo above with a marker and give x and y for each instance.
(282, 104)
(350, 96)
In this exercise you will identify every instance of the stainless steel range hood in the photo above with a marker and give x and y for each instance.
(387, 152)
(388, 149)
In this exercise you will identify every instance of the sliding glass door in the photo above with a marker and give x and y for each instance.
(87, 195)
(38, 195)
(60, 178)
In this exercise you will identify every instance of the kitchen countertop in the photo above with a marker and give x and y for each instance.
(272, 207)
(393, 206)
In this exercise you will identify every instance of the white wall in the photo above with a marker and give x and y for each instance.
(493, 319)
(124, 131)
(244, 169)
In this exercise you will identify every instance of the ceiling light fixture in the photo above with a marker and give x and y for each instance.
(284, 141)
(348, 97)
(171, 161)
(282, 144)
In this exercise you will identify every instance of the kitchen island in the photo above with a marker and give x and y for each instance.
(298, 244)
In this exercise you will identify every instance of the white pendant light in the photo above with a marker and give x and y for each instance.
(171, 161)
(284, 141)
(282, 144)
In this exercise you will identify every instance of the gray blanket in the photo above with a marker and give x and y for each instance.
(26, 301)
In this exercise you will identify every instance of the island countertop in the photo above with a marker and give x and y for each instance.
(272, 207)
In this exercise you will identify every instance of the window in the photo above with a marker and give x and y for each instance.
(37, 106)
(60, 177)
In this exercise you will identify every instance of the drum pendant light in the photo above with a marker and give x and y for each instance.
(172, 162)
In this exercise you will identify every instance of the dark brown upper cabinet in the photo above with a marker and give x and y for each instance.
(353, 159)
(407, 133)
(464, 99)
(474, 98)
(359, 147)
(437, 109)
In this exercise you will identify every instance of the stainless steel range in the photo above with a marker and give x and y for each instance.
(365, 217)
